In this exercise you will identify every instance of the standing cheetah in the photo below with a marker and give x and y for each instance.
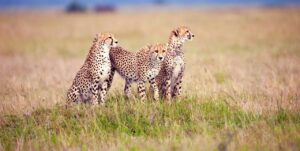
(170, 76)
(93, 75)
(138, 67)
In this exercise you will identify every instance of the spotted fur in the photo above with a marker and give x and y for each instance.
(138, 67)
(170, 76)
(91, 80)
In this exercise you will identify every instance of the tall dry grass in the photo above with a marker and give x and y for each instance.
(251, 55)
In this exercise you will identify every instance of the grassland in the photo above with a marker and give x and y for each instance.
(241, 86)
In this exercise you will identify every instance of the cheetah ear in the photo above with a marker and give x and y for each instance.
(166, 46)
(175, 32)
(149, 46)
(97, 35)
(96, 38)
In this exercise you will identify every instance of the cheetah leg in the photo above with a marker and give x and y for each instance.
(110, 78)
(168, 89)
(166, 85)
(159, 86)
(95, 90)
(162, 89)
(127, 89)
(154, 88)
(103, 92)
(151, 89)
(141, 90)
(176, 92)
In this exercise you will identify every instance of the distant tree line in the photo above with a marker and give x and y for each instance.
(77, 7)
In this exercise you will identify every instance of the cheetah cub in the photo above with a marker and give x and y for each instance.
(93, 75)
(138, 67)
(170, 76)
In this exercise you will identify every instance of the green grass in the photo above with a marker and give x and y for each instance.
(123, 119)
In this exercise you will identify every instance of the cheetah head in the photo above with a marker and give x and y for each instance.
(180, 35)
(106, 39)
(158, 52)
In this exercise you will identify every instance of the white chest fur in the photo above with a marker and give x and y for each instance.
(178, 66)
(105, 70)
(104, 67)
(153, 72)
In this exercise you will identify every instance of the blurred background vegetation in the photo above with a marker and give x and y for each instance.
(241, 86)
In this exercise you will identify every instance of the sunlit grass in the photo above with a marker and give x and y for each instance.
(61, 127)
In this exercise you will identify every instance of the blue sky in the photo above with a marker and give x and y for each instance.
(61, 3)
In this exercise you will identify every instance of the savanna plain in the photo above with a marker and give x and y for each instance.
(240, 90)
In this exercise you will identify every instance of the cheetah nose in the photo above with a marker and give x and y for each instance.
(116, 42)
(160, 58)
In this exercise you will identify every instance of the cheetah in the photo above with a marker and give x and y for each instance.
(170, 76)
(93, 76)
(139, 67)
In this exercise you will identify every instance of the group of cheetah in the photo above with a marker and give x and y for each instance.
(162, 65)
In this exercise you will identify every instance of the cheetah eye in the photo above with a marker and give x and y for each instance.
(187, 31)
(164, 50)
(156, 51)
